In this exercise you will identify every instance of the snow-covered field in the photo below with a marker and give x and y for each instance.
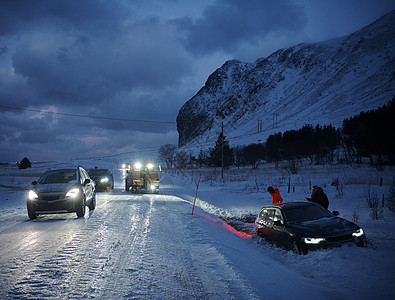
(150, 246)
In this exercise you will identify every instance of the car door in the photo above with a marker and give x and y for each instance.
(272, 228)
(261, 222)
(265, 223)
(87, 185)
(279, 232)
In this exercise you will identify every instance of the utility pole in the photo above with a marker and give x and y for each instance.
(275, 120)
(222, 150)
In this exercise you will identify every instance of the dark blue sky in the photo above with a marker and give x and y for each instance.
(136, 60)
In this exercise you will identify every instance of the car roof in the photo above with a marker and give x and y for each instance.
(97, 169)
(290, 205)
(60, 170)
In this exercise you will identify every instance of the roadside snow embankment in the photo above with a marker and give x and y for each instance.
(366, 273)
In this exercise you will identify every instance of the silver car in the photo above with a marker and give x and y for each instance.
(62, 191)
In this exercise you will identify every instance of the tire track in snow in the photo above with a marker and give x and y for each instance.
(58, 258)
(169, 259)
(114, 281)
(36, 268)
(131, 246)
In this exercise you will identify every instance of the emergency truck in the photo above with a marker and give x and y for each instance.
(141, 177)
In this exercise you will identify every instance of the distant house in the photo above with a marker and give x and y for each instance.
(24, 164)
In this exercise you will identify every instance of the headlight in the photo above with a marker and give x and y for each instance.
(358, 233)
(152, 187)
(313, 240)
(73, 193)
(104, 180)
(32, 195)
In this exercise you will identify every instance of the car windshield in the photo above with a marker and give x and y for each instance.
(98, 172)
(58, 176)
(305, 213)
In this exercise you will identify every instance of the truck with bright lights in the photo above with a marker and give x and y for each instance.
(141, 177)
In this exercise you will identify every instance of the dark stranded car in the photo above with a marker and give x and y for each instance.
(61, 191)
(104, 179)
(303, 226)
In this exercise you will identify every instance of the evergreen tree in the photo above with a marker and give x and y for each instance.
(274, 147)
(371, 133)
(253, 154)
(216, 152)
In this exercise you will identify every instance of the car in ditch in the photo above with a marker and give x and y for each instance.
(62, 191)
(104, 179)
(302, 226)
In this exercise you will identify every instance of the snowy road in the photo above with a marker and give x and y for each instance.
(143, 247)
(122, 249)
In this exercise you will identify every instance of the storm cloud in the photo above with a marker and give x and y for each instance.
(228, 24)
(84, 78)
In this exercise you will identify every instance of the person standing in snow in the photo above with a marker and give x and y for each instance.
(318, 196)
(275, 193)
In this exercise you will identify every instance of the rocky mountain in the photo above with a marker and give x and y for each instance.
(317, 83)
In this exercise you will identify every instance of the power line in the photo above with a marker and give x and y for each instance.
(86, 116)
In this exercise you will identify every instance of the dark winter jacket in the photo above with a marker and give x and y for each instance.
(318, 196)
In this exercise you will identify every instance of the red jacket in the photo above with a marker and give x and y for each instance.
(276, 197)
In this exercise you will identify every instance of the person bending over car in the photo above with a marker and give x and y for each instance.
(275, 193)
(318, 196)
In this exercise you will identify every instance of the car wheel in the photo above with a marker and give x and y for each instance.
(81, 210)
(31, 213)
(362, 243)
(92, 205)
(297, 248)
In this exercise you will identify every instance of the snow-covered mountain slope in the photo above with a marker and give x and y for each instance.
(319, 83)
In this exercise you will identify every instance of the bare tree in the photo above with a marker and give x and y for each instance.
(373, 202)
(167, 154)
(390, 201)
(181, 159)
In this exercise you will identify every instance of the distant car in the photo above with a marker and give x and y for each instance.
(103, 178)
(303, 226)
(62, 191)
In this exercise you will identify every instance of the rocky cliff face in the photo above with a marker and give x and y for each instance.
(320, 83)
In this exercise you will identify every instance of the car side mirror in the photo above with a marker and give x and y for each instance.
(34, 182)
(87, 181)
(335, 213)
